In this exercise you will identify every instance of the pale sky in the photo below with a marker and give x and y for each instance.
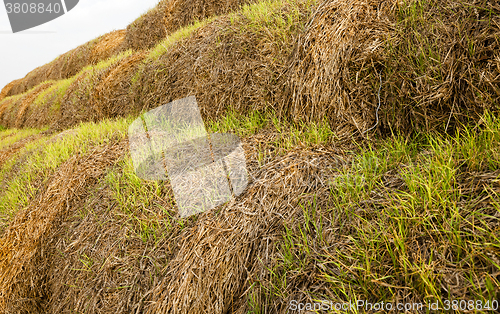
(22, 52)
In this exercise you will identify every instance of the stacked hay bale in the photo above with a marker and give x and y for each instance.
(72, 62)
(170, 15)
(45, 108)
(148, 29)
(5, 106)
(13, 114)
(5, 91)
(331, 71)
(113, 95)
(111, 44)
(235, 61)
(429, 69)
(80, 102)
(27, 101)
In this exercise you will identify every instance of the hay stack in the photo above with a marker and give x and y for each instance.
(222, 255)
(148, 29)
(443, 68)
(20, 86)
(27, 101)
(71, 62)
(4, 105)
(80, 102)
(231, 62)
(8, 112)
(113, 95)
(170, 15)
(110, 45)
(45, 108)
(6, 90)
(71, 108)
(331, 72)
(23, 262)
(13, 109)
(208, 266)
(430, 80)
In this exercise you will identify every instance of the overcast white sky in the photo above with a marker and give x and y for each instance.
(22, 52)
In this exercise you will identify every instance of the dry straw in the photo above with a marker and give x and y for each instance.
(5, 91)
(113, 95)
(110, 45)
(170, 15)
(437, 64)
(206, 267)
(72, 62)
(330, 69)
(235, 61)
(27, 101)
(45, 108)
(79, 103)
(24, 259)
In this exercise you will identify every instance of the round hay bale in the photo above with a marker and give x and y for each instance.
(113, 95)
(8, 110)
(148, 29)
(423, 65)
(32, 79)
(110, 45)
(234, 61)
(45, 108)
(78, 59)
(72, 108)
(13, 113)
(342, 39)
(170, 15)
(6, 90)
(27, 101)
(71, 62)
(79, 103)
(5, 104)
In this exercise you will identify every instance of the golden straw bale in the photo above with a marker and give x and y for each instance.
(111, 44)
(113, 95)
(5, 104)
(170, 15)
(79, 102)
(23, 245)
(423, 65)
(71, 62)
(6, 90)
(236, 61)
(27, 101)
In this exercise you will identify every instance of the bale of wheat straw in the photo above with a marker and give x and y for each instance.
(71, 62)
(81, 102)
(224, 64)
(26, 246)
(170, 15)
(6, 90)
(4, 105)
(350, 46)
(342, 38)
(146, 31)
(113, 95)
(39, 114)
(27, 101)
(222, 255)
(111, 44)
